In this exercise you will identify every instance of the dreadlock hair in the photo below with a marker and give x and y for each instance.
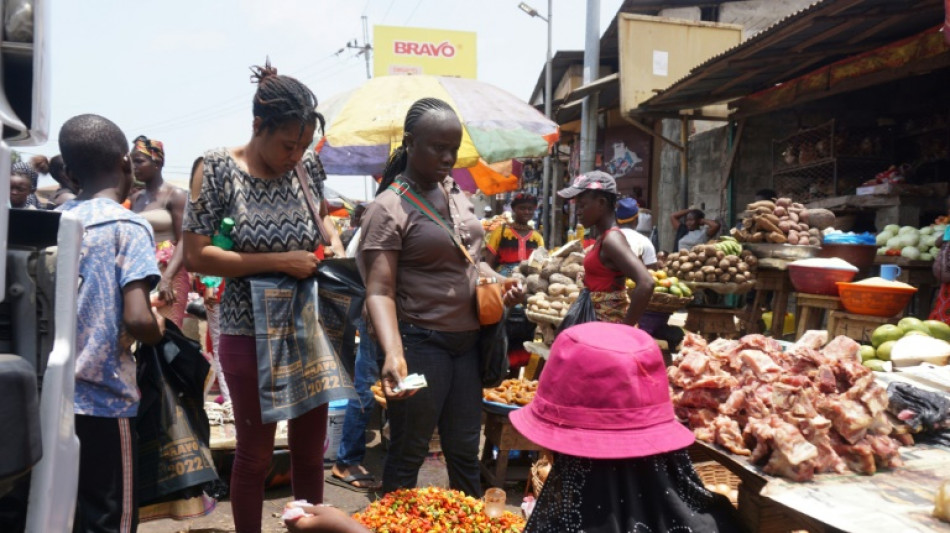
(399, 159)
(281, 99)
(90, 145)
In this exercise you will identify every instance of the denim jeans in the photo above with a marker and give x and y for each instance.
(365, 374)
(451, 401)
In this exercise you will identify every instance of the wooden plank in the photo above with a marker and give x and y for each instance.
(731, 158)
(649, 131)
(746, 108)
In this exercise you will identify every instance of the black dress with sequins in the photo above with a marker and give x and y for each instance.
(655, 494)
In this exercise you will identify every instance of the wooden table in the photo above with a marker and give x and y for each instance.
(887, 502)
(712, 322)
(858, 327)
(811, 310)
(499, 432)
(920, 275)
(772, 280)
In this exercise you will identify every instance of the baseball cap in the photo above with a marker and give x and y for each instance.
(595, 180)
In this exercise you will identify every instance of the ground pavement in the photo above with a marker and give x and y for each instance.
(433, 473)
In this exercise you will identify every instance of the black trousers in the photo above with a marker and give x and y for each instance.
(106, 501)
(451, 402)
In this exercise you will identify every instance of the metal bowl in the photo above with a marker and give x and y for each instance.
(789, 252)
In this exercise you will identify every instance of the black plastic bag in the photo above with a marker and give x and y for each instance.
(493, 353)
(173, 431)
(926, 413)
(580, 312)
(341, 294)
(518, 327)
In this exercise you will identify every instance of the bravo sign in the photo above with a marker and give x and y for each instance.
(401, 51)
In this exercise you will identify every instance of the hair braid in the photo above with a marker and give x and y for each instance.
(282, 99)
(399, 158)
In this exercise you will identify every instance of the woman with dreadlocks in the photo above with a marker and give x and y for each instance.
(256, 185)
(415, 257)
(163, 205)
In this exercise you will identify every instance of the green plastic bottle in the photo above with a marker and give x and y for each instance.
(223, 238)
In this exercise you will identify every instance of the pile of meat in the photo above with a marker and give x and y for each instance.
(814, 408)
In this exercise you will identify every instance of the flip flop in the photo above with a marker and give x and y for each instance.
(347, 482)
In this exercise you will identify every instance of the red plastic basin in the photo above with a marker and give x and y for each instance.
(817, 280)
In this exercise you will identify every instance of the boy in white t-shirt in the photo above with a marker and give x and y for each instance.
(627, 214)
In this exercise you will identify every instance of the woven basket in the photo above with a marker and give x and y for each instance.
(536, 482)
(662, 302)
(713, 473)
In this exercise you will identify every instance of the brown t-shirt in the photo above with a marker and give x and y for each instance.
(435, 283)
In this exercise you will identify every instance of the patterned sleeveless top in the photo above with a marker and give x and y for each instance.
(270, 215)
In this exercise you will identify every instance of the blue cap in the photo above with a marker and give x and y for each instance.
(627, 208)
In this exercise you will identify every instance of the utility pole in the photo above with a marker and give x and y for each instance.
(365, 49)
(548, 201)
(591, 72)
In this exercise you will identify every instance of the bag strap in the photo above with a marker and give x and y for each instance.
(401, 188)
(304, 180)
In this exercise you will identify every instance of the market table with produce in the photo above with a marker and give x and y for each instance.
(811, 428)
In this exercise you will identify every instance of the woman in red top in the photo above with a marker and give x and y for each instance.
(611, 261)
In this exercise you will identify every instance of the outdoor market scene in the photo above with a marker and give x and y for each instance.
(606, 266)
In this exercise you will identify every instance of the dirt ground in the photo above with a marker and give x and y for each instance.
(220, 520)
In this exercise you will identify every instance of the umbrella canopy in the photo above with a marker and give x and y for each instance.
(365, 125)
(492, 179)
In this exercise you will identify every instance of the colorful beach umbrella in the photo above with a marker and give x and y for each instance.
(495, 178)
(365, 125)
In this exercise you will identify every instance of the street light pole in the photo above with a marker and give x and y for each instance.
(548, 216)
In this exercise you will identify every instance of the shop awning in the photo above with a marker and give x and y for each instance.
(816, 36)
(609, 89)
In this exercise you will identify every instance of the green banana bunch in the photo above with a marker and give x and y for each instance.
(729, 246)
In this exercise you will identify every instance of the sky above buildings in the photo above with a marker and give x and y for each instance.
(177, 71)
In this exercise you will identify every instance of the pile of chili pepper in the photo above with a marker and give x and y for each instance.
(434, 509)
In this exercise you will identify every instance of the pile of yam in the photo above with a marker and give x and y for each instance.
(783, 222)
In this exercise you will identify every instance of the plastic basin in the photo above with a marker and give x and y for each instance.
(818, 280)
(874, 300)
(859, 255)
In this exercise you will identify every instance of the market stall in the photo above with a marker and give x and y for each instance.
(817, 439)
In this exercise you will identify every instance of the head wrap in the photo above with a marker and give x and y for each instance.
(23, 168)
(150, 147)
(524, 198)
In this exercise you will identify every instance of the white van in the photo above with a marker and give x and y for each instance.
(39, 265)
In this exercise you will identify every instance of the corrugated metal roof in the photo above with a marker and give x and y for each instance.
(818, 35)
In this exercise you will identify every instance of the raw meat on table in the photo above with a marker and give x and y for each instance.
(812, 409)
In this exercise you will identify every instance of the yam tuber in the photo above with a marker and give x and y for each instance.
(776, 237)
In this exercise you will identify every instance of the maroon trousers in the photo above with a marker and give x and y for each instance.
(255, 440)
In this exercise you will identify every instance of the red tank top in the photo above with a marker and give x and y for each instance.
(597, 277)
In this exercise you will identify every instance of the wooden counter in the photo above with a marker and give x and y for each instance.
(886, 502)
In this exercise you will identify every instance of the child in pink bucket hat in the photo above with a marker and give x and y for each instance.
(603, 406)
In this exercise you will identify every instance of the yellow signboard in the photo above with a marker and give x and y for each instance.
(401, 51)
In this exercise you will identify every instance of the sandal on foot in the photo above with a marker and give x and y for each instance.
(348, 482)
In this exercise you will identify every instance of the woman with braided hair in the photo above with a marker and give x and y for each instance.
(257, 186)
(420, 295)
(163, 205)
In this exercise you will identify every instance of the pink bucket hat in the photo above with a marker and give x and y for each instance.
(603, 394)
